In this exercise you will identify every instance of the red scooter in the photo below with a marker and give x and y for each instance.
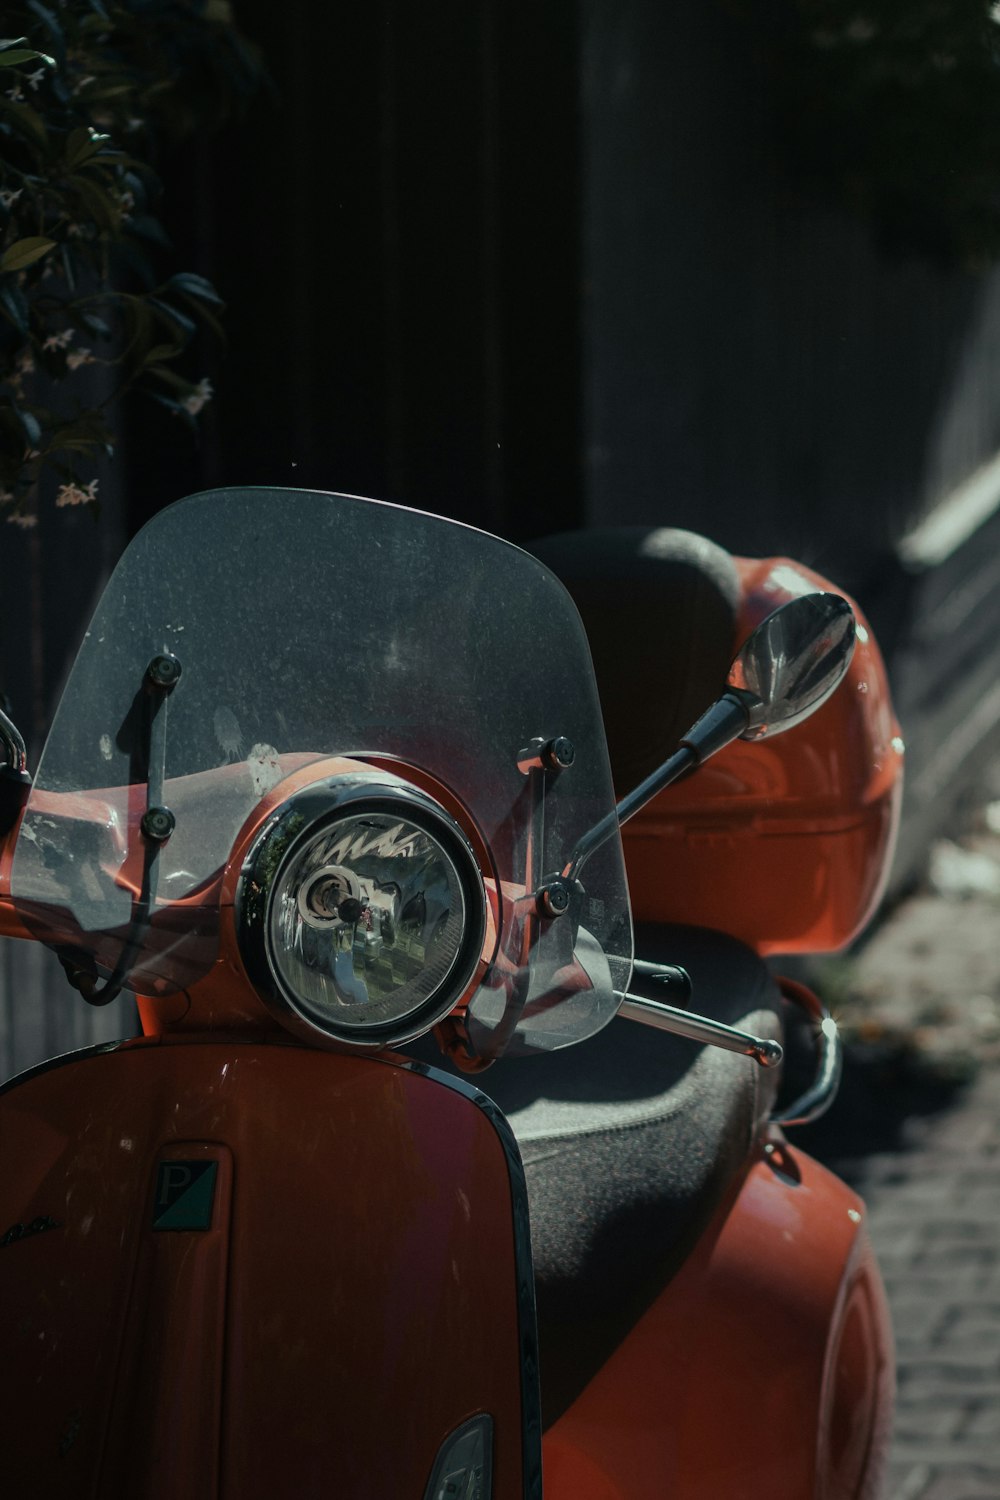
(328, 788)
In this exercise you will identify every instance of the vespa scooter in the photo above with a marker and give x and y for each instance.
(328, 788)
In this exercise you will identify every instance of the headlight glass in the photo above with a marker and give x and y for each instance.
(373, 918)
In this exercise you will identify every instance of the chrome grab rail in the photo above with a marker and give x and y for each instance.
(830, 1059)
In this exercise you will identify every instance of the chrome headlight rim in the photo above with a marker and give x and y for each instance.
(297, 823)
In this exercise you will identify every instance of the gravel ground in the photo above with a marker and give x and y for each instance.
(916, 1131)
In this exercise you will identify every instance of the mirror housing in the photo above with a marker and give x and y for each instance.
(791, 663)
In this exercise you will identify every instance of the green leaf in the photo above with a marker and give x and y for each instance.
(81, 145)
(162, 351)
(25, 252)
(29, 425)
(94, 324)
(148, 228)
(15, 308)
(12, 41)
(101, 205)
(50, 20)
(208, 319)
(171, 378)
(23, 55)
(174, 406)
(27, 120)
(173, 315)
(196, 286)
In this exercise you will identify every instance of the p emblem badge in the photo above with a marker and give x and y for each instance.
(185, 1193)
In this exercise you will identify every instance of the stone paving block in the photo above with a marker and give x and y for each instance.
(907, 1249)
(970, 1326)
(933, 1214)
(983, 1197)
(921, 1318)
(901, 1280)
(984, 1422)
(937, 1194)
(906, 1481)
(957, 1257)
(921, 1388)
(968, 1482)
(965, 1230)
(929, 1420)
(950, 1367)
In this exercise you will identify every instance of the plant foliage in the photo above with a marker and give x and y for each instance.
(89, 90)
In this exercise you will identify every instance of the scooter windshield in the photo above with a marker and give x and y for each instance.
(304, 626)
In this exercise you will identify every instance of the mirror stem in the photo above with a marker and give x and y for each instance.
(724, 722)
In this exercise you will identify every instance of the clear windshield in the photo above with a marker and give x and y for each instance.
(308, 625)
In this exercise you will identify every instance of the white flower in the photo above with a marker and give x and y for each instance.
(71, 494)
(26, 363)
(15, 94)
(35, 78)
(6, 496)
(8, 197)
(199, 397)
(22, 519)
(78, 357)
(59, 340)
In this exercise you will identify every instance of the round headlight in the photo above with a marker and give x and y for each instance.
(361, 911)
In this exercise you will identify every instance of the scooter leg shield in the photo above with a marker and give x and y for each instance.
(246, 1271)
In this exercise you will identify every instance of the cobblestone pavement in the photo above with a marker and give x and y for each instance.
(934, 1216)
(916, 1132)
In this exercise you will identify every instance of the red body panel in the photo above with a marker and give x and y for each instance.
(774, 1331)
(354, 1299)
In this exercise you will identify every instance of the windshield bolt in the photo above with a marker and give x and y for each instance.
(556, 754)
(158, 823)
(164, 670)
(559, 753)
(553, 900)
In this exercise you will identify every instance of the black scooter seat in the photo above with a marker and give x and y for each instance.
(629, 1141)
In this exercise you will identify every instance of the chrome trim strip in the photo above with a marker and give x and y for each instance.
(531, 1401)
(50, 1063)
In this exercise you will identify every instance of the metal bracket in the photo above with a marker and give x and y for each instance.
(700, 1029)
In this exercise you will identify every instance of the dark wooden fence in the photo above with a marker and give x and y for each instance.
(536, 266)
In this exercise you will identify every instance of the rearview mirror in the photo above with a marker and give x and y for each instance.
(792, 662)
(786, 668)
